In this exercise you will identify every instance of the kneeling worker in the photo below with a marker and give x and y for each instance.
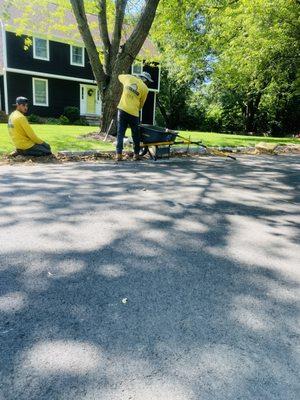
(133, 98)
(26, 141)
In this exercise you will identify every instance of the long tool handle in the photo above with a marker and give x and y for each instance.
(199, 143)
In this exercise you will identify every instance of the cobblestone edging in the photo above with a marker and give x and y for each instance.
(198, 150)
(62, 156)
(260, 148)
(203, 151)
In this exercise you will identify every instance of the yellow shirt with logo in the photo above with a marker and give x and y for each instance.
(21, 132)
(134, 94)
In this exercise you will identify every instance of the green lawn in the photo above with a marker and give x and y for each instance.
(60, 137)
(65, 137)
(222, 139)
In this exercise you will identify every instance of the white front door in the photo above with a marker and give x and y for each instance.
(90, 102)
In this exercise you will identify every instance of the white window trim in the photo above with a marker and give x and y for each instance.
(33, 89)
(34, 49)
(141, 64)
(46, 75)
(71, 56)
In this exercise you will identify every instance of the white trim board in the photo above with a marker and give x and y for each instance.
(71, 56)
(33, 92)
(154, 110)
(3, 33)
(46, 75)
(47, 58)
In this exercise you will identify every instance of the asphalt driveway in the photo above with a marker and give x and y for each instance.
(175, 280)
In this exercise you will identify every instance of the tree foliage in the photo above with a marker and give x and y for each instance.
(248, 52)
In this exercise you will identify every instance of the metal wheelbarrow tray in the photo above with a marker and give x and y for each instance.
(154, 134)
(160, 141)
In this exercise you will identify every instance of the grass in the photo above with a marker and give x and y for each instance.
(66, 137)
(60, 137)
(222, 139)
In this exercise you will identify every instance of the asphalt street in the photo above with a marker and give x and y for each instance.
(170, 280)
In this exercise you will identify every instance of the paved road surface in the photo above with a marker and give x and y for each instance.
(173, 280)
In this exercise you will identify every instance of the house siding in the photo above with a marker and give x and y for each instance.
(61, 94)
(154, 71)
(1, 49)
(2, 97)
(59, 63)
(148, 114)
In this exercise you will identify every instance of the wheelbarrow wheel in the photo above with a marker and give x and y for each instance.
(143, 151)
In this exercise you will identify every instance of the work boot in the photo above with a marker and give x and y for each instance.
(136, 157)
(14, 153)
(119, 157)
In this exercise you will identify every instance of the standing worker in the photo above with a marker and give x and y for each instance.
(26, 141)
(133, 98)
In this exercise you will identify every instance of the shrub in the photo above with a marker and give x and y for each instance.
(53, 121)
(72, 113)
(3, 117)
(81, 121)
(35, 119)
(64, 120)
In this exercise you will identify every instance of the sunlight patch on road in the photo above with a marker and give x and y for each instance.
(75, 358)
(251, 313)
(253, 242)
(147, 389)
(111, 271)
(244, 192)
(190, 226)
(68, 267)
(221, 366)
(13, 302)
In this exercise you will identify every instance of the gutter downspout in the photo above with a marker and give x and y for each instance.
(3, 33)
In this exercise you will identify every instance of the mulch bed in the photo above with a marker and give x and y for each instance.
(98, 136)
(96, 156)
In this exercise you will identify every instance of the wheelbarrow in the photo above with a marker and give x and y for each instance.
(157, 142)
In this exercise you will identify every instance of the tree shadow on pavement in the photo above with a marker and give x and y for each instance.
(150, 281)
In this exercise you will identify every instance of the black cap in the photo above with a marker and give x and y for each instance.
(21, 100)
(147, 76)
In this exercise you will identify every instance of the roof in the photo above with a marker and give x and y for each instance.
(60, 26)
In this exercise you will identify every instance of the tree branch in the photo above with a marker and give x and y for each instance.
(97, 67)
(117, 33)
(136, 40)
(102, 20)
(223, 6)
(163, 111)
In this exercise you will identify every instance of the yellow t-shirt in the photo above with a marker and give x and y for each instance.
(21, 132)
(134, 94)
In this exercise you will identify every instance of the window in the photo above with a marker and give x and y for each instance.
(137, 68)
(41, 49)
(40, 92)
(77, 56)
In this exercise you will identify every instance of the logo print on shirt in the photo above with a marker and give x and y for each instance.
(10, 124)
(133, 88)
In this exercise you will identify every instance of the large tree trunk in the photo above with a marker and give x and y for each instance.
(251, 110)
(163, 112)
(249, 116)
(112, 94)
(110, 101)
